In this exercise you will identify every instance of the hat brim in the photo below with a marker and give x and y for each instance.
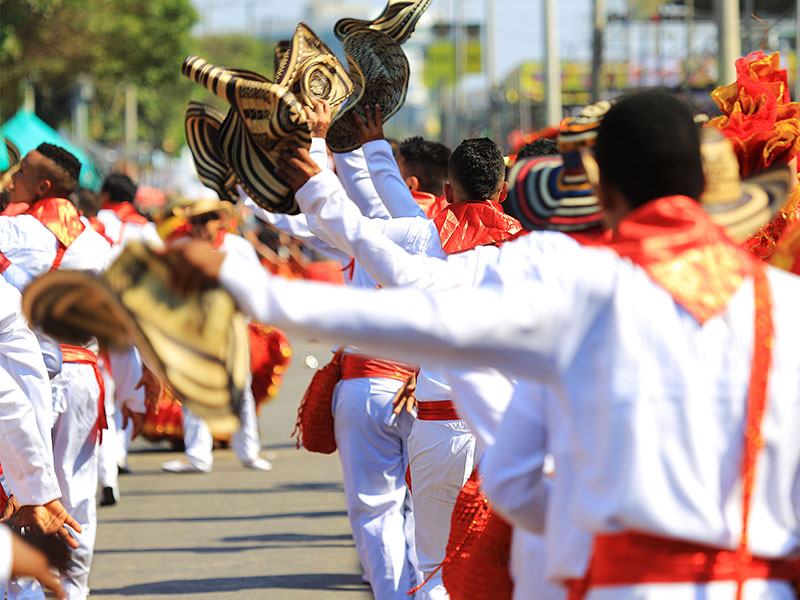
(385, 70)
(197, 343)
(543, 195)
(202, 123)
(398, 20)
(762, 197)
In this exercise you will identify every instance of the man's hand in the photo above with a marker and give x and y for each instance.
(47, 519)
(135, 418)
(27, 561)
(295, 169)
(11, 507)
(319, 117)
(194, 266)
(405, 396)
(373, 128)
(152, 388)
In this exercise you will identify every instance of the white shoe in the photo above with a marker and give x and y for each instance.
(182, 466)
(259, 464)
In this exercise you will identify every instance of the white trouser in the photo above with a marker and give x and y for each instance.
(443, 455)
(199, 442)
(108, 451)
(527, 566)
(373, 451)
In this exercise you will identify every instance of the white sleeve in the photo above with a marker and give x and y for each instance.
(27, 463)
(526, 330)
(6, 556)
(126, 368)
(512, 468)
(333, 216)
(354, 175)
(298, 227)
(388, 182)
(319, 152)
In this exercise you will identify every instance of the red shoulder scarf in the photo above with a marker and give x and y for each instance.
(684, 252)
(60, 216)
(430, 204)
(464, 225)
(125, 212)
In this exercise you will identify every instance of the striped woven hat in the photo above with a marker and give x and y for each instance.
(198, 343)
(264, 119)
(398, 20)
(203, 123)
(554, 192)
(385, 71)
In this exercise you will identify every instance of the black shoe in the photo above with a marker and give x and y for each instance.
(107, 496)
(123, 470)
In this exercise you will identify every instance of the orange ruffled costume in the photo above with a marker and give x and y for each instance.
(758, 114)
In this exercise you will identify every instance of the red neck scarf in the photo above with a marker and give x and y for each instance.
(98, 226)
(60, 216)
(684, 252)
(464, 225)
(430, 204)
(125, 212)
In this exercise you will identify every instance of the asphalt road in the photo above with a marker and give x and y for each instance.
(282, 534)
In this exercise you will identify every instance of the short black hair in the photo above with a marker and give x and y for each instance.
(427, 161)
(648, 146)
(120, 188)
(64, 171)
(477, 168)
(540, 147)
(86, 201)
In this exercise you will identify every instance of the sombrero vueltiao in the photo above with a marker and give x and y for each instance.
(740, 207)
(398, 20)
(267, 117)
(197, 343)
(553, 192)
(202, 124)
(385, 71)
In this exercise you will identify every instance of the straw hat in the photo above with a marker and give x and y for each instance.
(203, 206)
(385, 71)
(398, 20)
(197, 343)
(554, 192)
(741, 207)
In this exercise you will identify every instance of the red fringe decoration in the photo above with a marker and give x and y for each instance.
(314, 427)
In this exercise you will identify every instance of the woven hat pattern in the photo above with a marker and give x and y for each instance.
(398, 20)
(202, 123)
(197, 343)
(385, 71)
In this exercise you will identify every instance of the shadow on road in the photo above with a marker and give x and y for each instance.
(302, 581)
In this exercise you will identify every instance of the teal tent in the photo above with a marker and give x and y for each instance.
(27, 131)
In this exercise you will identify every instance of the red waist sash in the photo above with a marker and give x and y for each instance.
(437, 410)
(84, 356)
(355, 366)
(640, 558)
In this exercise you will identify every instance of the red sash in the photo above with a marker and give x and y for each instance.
(84, 356)
(98, 226)
(437, 410)
(430, 204)
(355, 366)
(125, 212)
(464, 225)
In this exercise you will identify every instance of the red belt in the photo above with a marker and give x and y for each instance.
(640, 558)
(437, 410)
(355, 366)
(84, 356)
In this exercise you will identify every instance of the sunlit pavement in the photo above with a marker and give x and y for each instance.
(234, 532)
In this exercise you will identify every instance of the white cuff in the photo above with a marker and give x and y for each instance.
(377, 146)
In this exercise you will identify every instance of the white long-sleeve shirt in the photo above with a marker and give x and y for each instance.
(654, 401)
(388, 181)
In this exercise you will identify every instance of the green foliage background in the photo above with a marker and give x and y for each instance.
(52, 42)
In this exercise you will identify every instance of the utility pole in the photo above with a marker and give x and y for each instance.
(599, 23)
(28, 96)
(131, 119)
(490, 54)
(730, 43)
(552, 72)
